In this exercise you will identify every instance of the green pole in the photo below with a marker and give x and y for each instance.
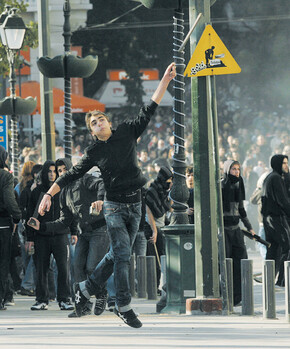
(205, 204)
(46, 97)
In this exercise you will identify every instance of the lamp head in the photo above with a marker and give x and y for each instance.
(14, 30)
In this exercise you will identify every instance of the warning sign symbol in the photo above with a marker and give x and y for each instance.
(211, 57)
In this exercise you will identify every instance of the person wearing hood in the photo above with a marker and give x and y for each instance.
(233, 196)
(10, 215)
(157, 205)
(93, 241)
(114, 152)
(275, 210)
(48, 242)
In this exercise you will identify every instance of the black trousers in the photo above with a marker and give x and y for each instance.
(57, 245)
(5, 252)
(236, 249)
(278, 234)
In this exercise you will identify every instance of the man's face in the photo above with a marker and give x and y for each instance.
(189, 180)
(285, 167)
(235, 170)
(61, 170)
(100, 126)
(51, 173)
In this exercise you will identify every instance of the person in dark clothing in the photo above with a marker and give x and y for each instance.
(275, 210)
(233, 195)
(157, 205)
(190, 186)
(10, 215)
(93, 241)
(48, 242)
(115, 153)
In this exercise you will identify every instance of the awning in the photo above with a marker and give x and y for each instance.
(79, 104)
(112, 94)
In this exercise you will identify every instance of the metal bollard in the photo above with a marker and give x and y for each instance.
(229, 264)
(132, 276)
(269, 301)
(287, 290)
(141, 277)
(151, 277)
(247, 287)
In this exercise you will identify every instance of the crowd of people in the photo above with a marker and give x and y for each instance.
(75, 223)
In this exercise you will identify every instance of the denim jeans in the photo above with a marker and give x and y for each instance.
(90, 250)
(122, 225)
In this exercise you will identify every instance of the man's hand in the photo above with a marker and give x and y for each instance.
(97, 206)
(33, 223)
(153, 238)
(170, 72)
(190, 211)
(28, 246)
(74, 239)
(253, 232)
(44, 205)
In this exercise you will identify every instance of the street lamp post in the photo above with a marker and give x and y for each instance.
(12, 36)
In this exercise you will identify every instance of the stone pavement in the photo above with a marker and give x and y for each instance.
(22, 328)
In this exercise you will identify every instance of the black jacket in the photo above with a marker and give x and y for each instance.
(275, 200)
(9, 209)
(35, 199)
(75, 202)
(116, 158)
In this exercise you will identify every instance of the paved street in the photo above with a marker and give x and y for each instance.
(22, 328)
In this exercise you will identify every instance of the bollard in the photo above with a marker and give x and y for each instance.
(269, 301)
(141, 277)
(247, 287)
(132, 276)
(151, 277)
(229, 264)
(287, 290)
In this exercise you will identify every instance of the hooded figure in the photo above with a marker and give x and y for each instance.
(9, 214)
(157, 204)
(49, 242)
(233, 195)
(275, 210)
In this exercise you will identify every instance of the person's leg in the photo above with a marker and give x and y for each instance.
(262, 248)
(60, 250)
(80, 258)
(5, 249)
(42, 260)
(239, 252)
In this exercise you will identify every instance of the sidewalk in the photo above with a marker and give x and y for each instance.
(22, 328)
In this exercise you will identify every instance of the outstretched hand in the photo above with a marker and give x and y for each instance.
(44, 205)
(170, 72)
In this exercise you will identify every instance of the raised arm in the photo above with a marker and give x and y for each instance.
(169, 74)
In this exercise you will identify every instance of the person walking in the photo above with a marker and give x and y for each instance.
(233, 196)
(115, 153)
(275, 210)
(10, 215)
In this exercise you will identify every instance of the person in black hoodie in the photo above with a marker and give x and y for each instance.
(48, 242)
(233, 195)
(275, 210)
(10, 215)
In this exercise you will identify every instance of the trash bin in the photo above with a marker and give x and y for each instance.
(180, 266)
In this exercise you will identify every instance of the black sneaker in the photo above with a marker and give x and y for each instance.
(129, 317)
(80, 299)
(111, 306)
(65, 306)
(2, 306)
(100, 305)
(39, 306)
(87, 310)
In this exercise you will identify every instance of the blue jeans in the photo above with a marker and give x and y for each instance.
(262, 248)
(122, 225)
(90, 250)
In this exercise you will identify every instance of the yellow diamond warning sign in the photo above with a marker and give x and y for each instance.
(211, 57)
